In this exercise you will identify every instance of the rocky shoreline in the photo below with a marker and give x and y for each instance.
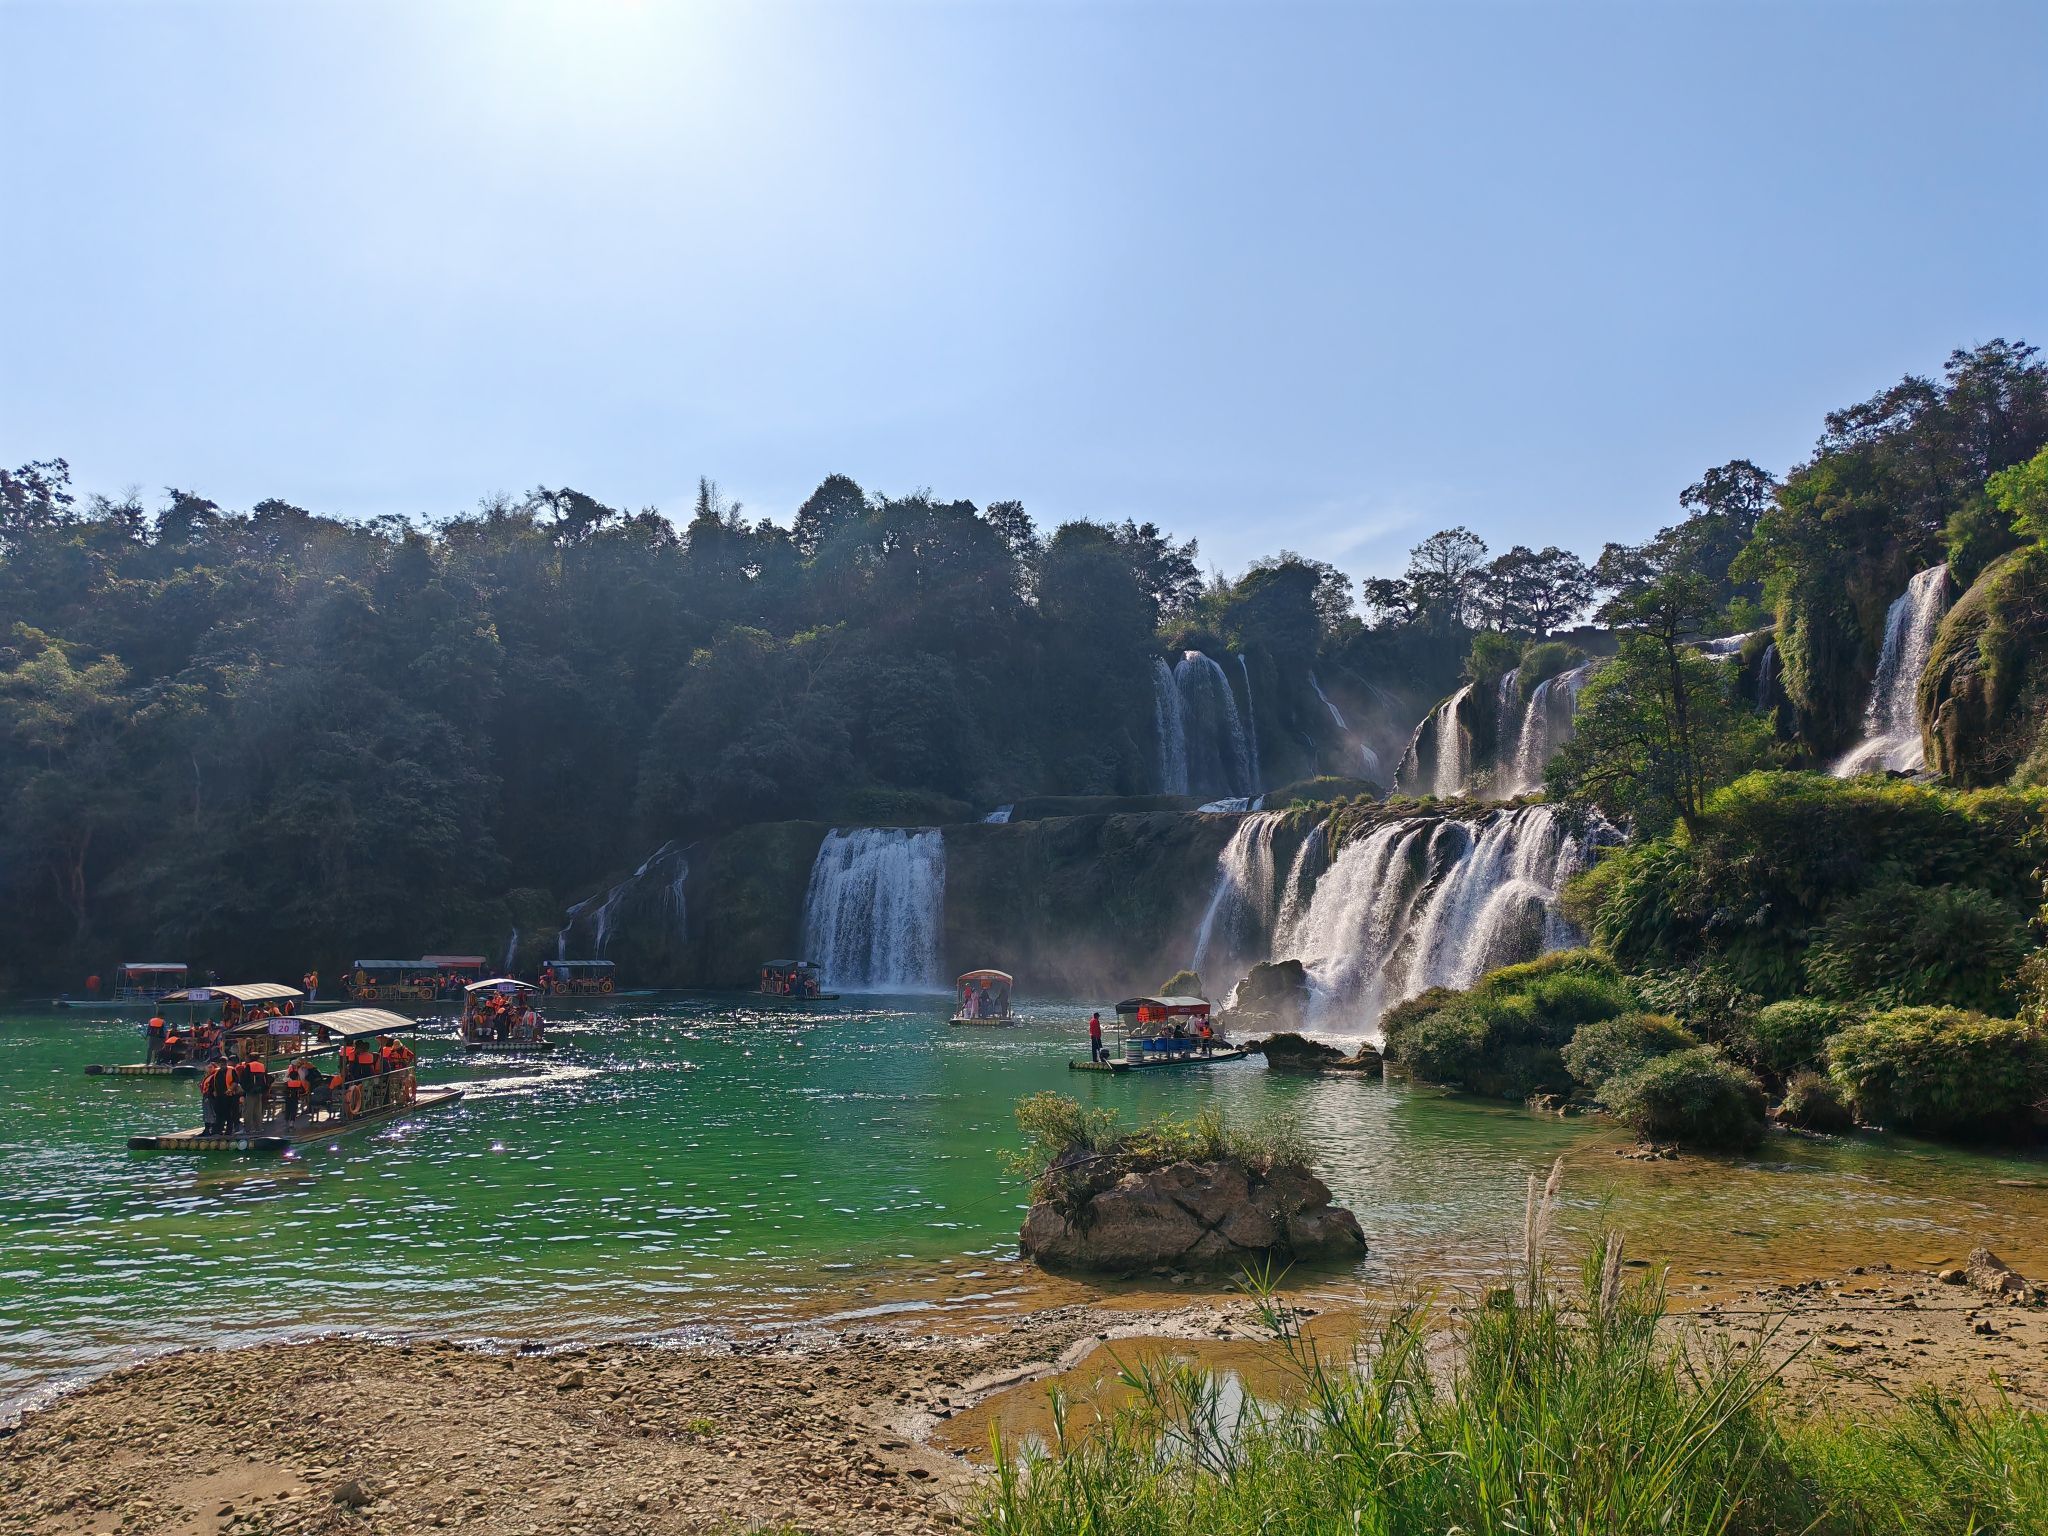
(817, 1428)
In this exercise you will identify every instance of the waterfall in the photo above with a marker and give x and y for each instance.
(1546, 726)
(1252, 730)
(1450, 761)
(1310, 860)
(1891, 722)
(1244, 890)
(1432, 902)
(1170, 729)
(1368, 760)
(1727, 645)
(999, 816)
(873, 910)
(599, 915)
(511, 953)
(1767, 678)
(1217, 752)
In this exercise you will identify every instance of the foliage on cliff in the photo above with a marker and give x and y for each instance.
(1873, 506)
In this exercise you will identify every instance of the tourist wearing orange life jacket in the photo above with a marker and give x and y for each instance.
(255, 1073)
(153, 1034)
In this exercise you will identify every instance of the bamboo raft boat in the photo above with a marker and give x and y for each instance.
(1152, 1037)
(290, 1133)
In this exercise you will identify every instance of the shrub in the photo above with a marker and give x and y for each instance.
(1059, 1133)
(1814, 1103)
(1793, 1034)
(1505, 1037)
(1695, 1096)
(1942, 1072)
(1707, 1000)
(1776, 853)
(1904, 944)
(1541, 661)
(1606, 1047)
(1182, 984)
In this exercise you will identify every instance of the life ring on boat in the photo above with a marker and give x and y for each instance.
(605, 985)
(366, 994)
(352, 1101)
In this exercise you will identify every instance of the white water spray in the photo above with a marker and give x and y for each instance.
(1236, 914)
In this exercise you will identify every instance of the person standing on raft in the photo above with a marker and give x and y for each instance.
(1095, 1052)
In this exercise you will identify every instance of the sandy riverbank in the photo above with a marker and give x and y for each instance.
(856, 1427)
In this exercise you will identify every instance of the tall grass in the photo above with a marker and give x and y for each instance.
(1561, 1415)
(1054, 1124)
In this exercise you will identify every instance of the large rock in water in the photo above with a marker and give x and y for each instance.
(1192, 1216)
(1298, 1053)
(1272, 998)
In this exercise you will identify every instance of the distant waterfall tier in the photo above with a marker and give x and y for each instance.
(1546, 725)
(1213, 753)
(1891, 721)
(1368, 760)
(875, 907)
(1234, 923)
(660, 885)
(1170, 730)
(1431, 902)
(1449, 761)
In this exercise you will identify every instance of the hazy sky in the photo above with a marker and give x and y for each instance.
(1326, 277)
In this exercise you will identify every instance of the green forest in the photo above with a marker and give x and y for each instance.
(267, 737)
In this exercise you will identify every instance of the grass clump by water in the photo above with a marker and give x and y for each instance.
(1562, 1414)
(1061, 1134)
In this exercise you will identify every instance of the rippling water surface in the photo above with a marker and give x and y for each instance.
(703, 1161)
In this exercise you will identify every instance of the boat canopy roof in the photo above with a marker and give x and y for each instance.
(594, 965)
(460, 961)
(388, 965)
(241, 992)
(1165, 1005)
(156, 966)
(501, 984)
(790, 965)
(987, 976)
(355, 1023)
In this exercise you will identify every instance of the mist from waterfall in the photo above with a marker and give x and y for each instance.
(1891, 721)
(1234, 922)
(1426, 902)
(875, 907)
(1170, 731)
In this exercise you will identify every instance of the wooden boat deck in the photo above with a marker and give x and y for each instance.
(1160, 1060)
(964, 1023)
(510, 1047)
(279, 1137)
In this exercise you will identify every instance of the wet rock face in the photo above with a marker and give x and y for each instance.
(1190, 1216)
(1272, 998)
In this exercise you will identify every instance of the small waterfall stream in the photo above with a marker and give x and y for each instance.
(1235, 919)
(874, 909)
(1891, 721)
(1368, 760)
(1251, 715)
(588, 926)
(1215, 747)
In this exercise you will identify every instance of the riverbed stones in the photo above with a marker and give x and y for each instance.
(1191, 1217)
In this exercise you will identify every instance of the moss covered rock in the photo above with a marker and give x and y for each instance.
(1984, 695)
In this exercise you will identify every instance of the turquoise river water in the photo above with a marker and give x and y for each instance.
(705, 1161)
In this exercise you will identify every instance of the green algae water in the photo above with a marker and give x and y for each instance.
(709, 1162)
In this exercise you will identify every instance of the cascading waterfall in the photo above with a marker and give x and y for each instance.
(1891, 722)
(1236, 915)
(1215, 749)
(999, 816)
(1546, 726)
(1310, 860)
(1170, 729)
(511, 953)
(1431, 902)
(1449, 763)
(597, 916)
(1368, 760)
(873, 911)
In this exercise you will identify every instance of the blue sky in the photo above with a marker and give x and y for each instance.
(1323, 277)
